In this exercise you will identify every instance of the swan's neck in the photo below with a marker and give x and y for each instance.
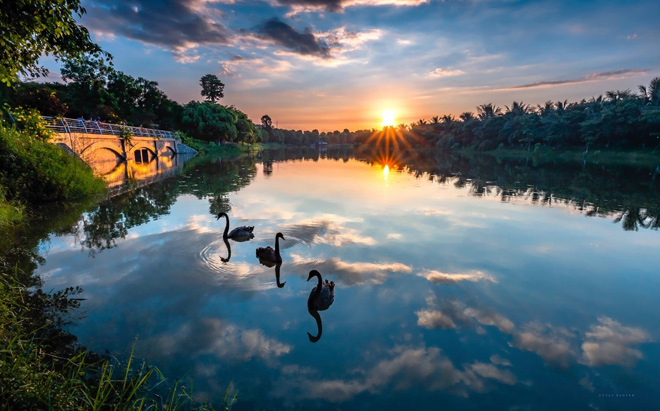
(277, 246)
(320, 283)
(226, 225)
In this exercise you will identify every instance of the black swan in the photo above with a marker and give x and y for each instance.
(322, 295)
(242, 233)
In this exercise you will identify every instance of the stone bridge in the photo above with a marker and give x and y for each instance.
(93, 148)
(97, 142)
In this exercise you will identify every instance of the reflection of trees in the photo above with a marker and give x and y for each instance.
(636, 217)
(629, 193)
(113, 218)
(204, 177)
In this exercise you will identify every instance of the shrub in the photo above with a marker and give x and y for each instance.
(32, 170)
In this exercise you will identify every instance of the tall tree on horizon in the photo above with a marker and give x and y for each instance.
(267, 124)
(212, 87)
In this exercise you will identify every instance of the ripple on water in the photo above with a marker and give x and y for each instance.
(235, 273)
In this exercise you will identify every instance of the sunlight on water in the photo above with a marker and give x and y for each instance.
(447, 290)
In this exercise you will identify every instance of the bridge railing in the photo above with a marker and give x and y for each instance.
(72, 125)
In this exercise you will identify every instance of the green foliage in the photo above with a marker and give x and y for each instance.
(126, 134)
(210, 122)
(31, 29)
(212, 87)
(9, 213)
(190, 142)
(33, 171)
(28, 121)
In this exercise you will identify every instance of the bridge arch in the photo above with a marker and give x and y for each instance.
(88, 151)
(168, 150)
(141, 153)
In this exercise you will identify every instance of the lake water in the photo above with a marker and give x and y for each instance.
(459, 283)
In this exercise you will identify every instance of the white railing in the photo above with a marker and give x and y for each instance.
(72, 125)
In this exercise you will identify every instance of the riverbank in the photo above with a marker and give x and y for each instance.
(41, 364)
(636, 158)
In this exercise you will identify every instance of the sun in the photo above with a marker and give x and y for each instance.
(388, 118)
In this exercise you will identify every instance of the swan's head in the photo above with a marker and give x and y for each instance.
(222, 214)
(313, 274)
(280, 235)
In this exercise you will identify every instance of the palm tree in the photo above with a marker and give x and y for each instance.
(517, 109)
(448, 119)
(486, 111)
(644, 93)
(654, 91)
(467, 116)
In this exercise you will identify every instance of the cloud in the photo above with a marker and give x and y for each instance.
(440, 72)
(282, 34)
(348, 40)
(350, 273)
(437, 277)
(610, 75)
(338, 6)
(422, 367)
(610, 343)
(178, 26)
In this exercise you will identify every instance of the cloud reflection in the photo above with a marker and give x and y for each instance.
(219, 338)
(454, 313)
(552, 344)
(325, 230)
(437, 277)
(408, 366)
(607, 343)
(610, 343)
(350, 274)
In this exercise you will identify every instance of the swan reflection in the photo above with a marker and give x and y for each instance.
(277, 275)
(320, 298)
(270, 256)
(224, 260)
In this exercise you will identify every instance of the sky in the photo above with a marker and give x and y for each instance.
(335, 64)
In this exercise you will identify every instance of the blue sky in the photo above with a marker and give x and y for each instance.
(338, 64)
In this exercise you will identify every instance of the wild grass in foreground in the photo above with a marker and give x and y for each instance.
(41, 367)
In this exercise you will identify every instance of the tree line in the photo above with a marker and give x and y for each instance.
(94, 89)
(619, 119)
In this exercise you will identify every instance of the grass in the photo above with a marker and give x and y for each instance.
(35, 374)
(9, 213)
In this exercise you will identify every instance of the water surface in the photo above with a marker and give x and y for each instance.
(458, 285)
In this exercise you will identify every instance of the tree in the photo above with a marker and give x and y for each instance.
(212, 87)
(267, 124)
(31, 29)
(209, 122)
(87, 94)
